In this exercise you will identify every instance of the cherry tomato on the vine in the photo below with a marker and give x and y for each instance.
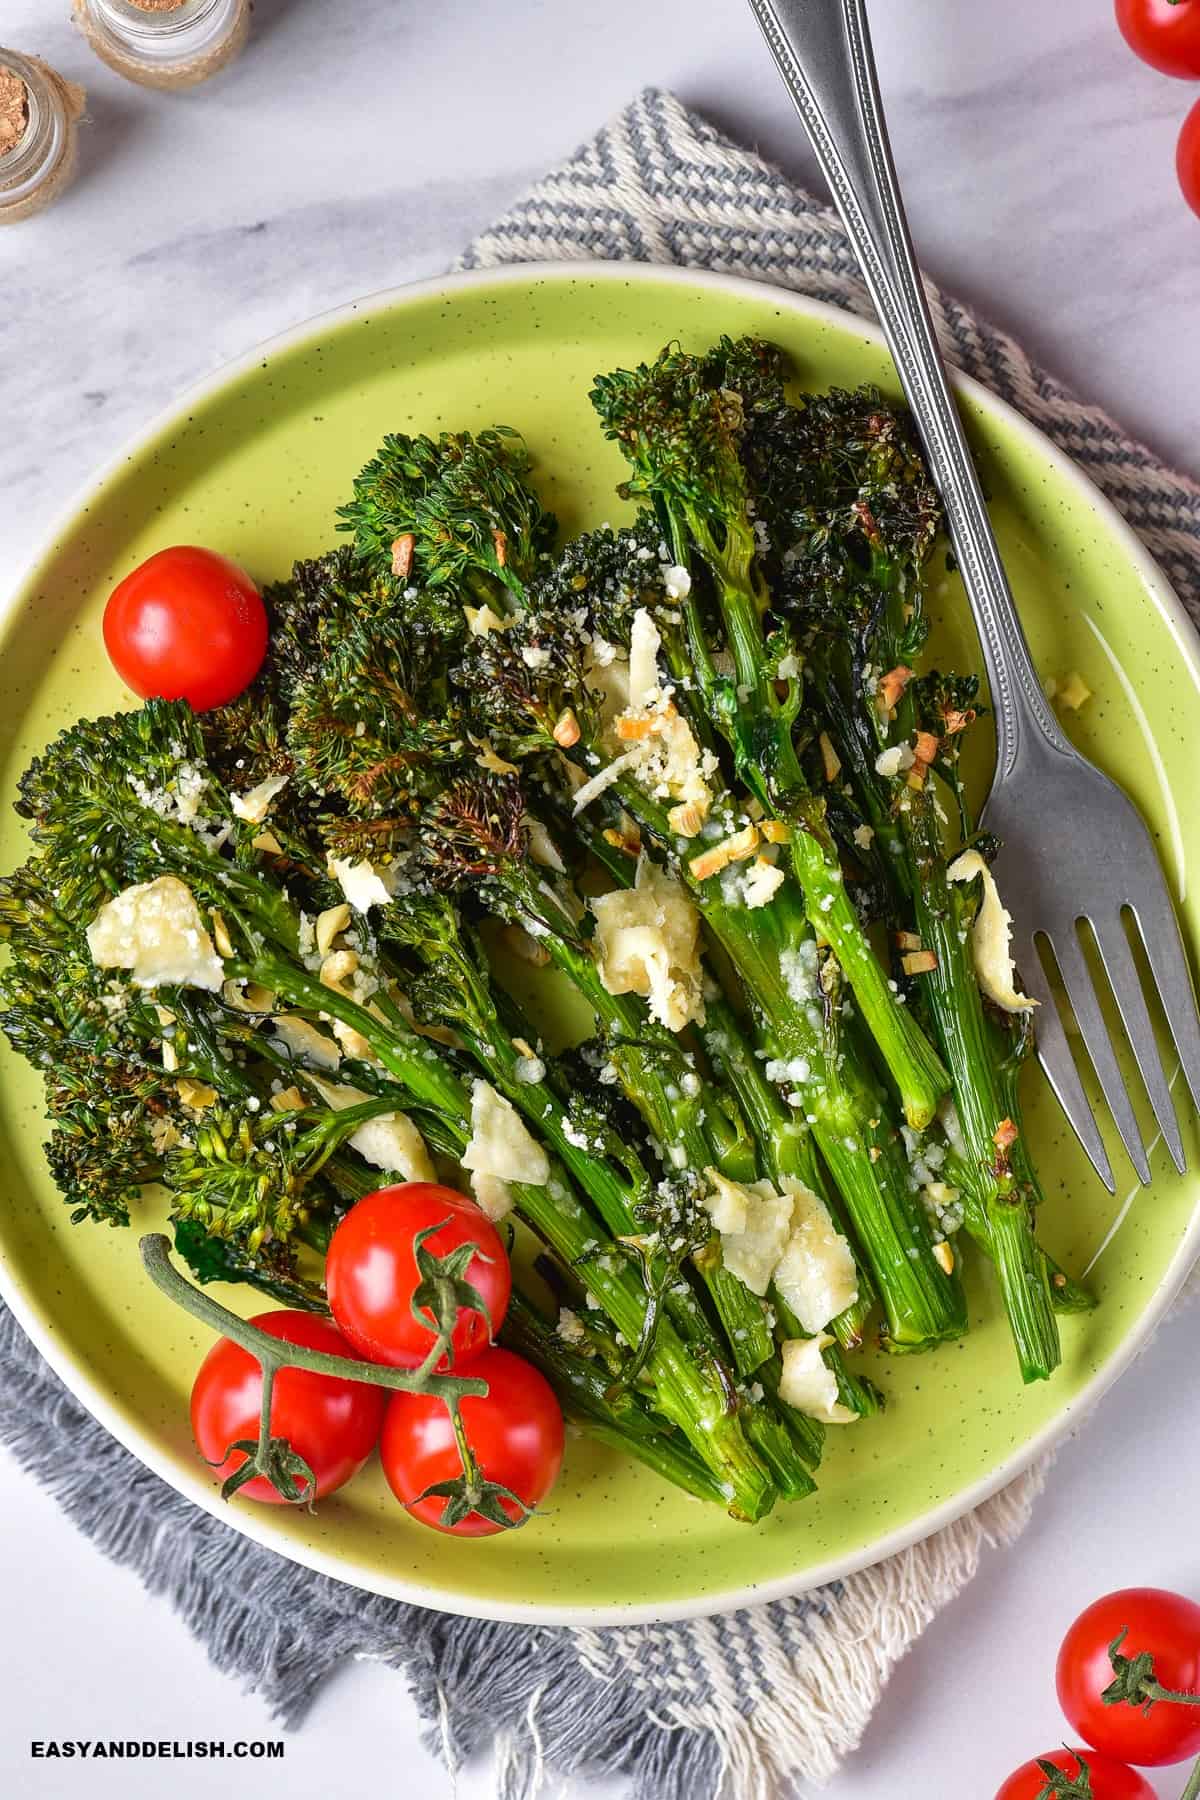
(371, 1272)
(1165, 1625)
(333, 1424)
(1164, 33)
(1109, 1780)
(187, 624)
(1187, 158)
(515, 1432)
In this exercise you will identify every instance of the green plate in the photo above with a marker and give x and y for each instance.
(253, 463)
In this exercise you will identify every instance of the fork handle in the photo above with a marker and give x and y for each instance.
(823, 51)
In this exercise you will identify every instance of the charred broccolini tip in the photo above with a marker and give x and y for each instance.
(452, 511)
(372, 732)
(845, 494)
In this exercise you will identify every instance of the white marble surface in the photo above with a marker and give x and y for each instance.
(356, 146)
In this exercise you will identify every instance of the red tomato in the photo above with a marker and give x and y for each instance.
(1110, 1780)
(186, 625)
(1163, 34)
(515, 1431)
(1187, 158)
(371, 1272)
(1166, 1625)
(333, 1424)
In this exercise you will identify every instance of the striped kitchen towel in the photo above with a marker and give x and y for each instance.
(752, 1703)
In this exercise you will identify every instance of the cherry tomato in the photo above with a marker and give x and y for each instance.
(1110, 1780)
(1187, 158)
(1166, 1625)
(186, 625)
(515, 1431)
(371, 1272)
(333, 1424)
(1163, 34)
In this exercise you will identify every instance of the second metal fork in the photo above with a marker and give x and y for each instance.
(1075, 848)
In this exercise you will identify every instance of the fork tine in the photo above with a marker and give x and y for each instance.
(1082, 994)
(1159, 929)
(1122, 973)
(1054, 1054)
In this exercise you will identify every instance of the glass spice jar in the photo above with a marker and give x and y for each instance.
(39, 116)
(164, 43)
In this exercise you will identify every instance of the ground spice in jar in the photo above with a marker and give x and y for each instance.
(158, 5)
(14, 109)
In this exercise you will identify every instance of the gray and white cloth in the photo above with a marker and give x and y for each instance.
(749, 1704)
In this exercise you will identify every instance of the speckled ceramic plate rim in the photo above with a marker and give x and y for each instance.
(257, 1526)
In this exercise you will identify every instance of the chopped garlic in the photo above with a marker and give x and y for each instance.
(164, 1135)
(155, 930)
(677, 581)
(338, 972)
(220, 932)
(1073, 690)
(808, 1384)
(501, 1150)
(197, 1096)
(247, 996)
(816, 1273)
(991, 936)
(255, 804)
(306, 1042)
(362, 883)
(495, 765)
(330, 924)
(648, 943)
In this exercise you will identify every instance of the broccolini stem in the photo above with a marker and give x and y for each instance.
(694, 1400)
(785, 1141)
(849, 1114)
(760, 731)
(913, 1063)
(582, 1385)
(957, 1008)
(639, 1050)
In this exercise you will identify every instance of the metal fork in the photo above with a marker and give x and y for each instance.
(1075, 848)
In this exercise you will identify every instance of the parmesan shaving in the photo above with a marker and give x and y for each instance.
(808, 1384)
(255, 804)
(648, 943)
(500, 1150)
(991, 936)
(156, 931)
